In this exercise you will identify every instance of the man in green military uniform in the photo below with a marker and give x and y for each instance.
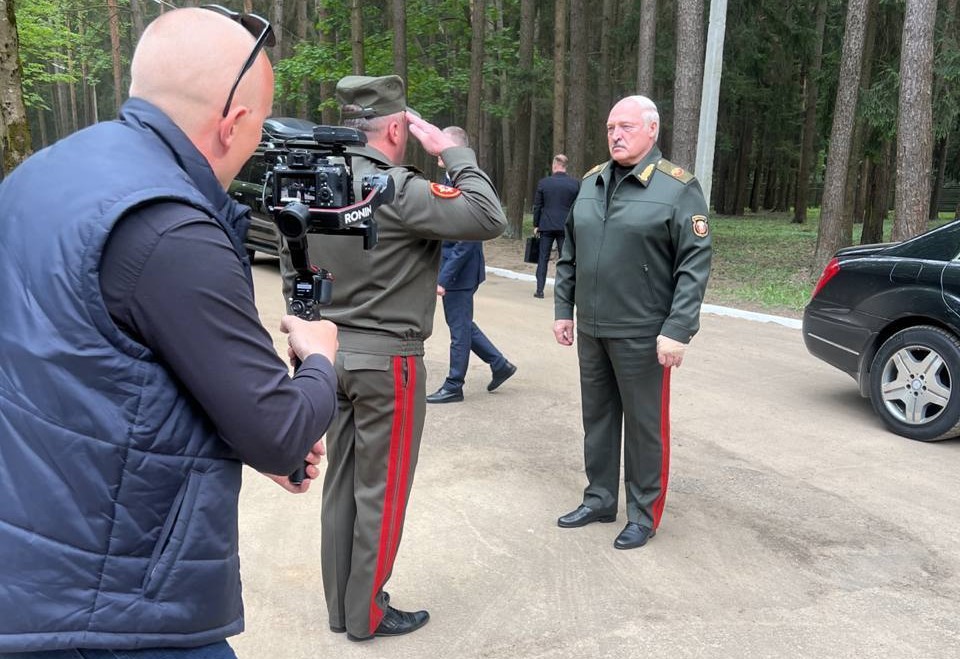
(383, 304)
(635, 263)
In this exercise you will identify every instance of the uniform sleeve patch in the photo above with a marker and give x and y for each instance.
(444, 191)
(700, 226)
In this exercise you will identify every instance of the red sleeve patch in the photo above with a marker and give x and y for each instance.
(444, 191)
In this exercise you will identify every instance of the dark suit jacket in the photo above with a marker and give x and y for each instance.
(555, 195)
(462, 265)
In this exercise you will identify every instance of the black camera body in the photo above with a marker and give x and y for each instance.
(310, 189)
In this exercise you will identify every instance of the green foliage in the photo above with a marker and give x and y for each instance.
(51, 47)
(437, 47)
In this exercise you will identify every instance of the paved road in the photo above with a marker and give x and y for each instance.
(795, 526)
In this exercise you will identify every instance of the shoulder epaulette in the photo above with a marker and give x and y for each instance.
(676, 171)
(598, 168)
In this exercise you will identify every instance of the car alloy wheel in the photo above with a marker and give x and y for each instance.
(915, 383)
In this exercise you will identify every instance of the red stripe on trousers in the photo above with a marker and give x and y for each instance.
(664, 448)
(393, 497)
(406, 436)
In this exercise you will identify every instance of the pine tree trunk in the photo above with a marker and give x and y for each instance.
(810, 96)
(14, 128)
(831, 233)
(115, 54)
(577, 103)
(688, 82)
(647, 47)
(878, 202)
(475, 93)
(399, 13)
(136, 20)
(915, 126)
(560, 76)
(356, 36)
(517, 177)
(329, 114)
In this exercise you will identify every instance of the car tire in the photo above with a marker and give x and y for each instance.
(915, 383)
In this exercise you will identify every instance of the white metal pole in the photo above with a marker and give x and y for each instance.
(710, 98)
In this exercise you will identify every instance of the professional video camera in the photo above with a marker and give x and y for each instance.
(310, 189)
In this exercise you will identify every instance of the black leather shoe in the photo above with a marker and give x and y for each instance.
(633, 535)
(442, 395)
(583, 516)
(501, 376)
(538, 294)
(396, 623)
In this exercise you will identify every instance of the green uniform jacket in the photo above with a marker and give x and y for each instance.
(392, 288)
(639, 267)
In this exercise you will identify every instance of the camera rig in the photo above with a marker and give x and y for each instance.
(310, 189)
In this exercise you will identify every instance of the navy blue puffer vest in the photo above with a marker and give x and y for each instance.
(118, 501)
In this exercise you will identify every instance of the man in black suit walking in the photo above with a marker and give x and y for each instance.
(462, 270)
(555, 195)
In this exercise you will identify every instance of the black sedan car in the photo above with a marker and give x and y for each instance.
(889, 315)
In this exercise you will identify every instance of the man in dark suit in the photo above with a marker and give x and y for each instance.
(555, 195)
(462, 270)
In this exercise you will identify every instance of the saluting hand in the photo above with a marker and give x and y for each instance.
(433, 140)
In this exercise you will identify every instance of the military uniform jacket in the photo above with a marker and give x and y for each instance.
(390, 290)
(638, 267)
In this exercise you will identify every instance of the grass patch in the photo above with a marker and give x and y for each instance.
(762, 263)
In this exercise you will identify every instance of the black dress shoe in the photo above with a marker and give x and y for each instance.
(442, 395)
(502, 375)
(583, 516)
(396, 623)
(633, 535)
(538, 294)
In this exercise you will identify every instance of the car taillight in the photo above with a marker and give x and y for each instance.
(828, 273)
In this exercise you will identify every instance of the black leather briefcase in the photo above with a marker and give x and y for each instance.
(531, 251)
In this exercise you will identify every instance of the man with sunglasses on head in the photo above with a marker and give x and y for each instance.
(135, 376)
(383, 304)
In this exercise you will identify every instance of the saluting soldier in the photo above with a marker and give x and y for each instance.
(635, 263)
(383, 304)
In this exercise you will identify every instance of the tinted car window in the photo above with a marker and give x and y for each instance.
(254, 170)
(941, 244)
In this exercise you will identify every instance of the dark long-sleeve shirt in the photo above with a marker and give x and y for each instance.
(173, 282)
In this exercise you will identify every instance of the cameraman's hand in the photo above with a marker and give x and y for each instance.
(433, 140)
(312, 459)
(305, 338)
(441, 291)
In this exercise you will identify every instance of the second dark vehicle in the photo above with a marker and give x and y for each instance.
(247, 188)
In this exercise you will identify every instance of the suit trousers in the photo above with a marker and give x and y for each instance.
(625, 392)
(546, 246)
(465, 337)
(372, 449)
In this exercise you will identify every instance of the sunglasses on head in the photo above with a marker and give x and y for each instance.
(261, 30)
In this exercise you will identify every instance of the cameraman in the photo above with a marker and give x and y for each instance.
(383, 303)
(135, 376)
